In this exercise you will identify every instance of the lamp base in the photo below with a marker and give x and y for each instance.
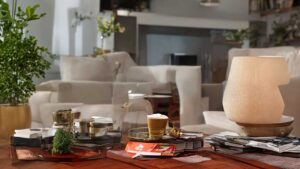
(281, 129)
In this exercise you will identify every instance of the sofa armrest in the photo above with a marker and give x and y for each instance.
(51, 85)
(38, 98)
(88, 92)
(214, 92)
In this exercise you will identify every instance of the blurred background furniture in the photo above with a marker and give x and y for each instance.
(105, 81)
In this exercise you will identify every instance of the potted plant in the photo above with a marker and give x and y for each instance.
(106, 28)
(62, 142)
(21, 59)
(238, 36)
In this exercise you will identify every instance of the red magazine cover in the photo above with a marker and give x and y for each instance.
(150, 149)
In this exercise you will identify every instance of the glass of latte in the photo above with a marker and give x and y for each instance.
(157, 124)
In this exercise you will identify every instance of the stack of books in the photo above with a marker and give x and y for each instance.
(172, 147)
(231, 143)
(33, 137)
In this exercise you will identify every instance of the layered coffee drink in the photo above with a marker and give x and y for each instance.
(157, 124)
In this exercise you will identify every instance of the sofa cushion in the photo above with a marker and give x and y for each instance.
(159, 76)
(124, 61)
(88, 92)
(85, 68)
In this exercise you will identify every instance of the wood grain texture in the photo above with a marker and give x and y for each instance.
(219, 161)
(7, 163)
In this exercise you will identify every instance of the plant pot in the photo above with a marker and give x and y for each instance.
(13, 117)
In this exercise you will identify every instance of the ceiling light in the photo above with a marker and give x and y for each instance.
(210, 3)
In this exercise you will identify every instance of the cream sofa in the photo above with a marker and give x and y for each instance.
(290, 92)
(100, 86)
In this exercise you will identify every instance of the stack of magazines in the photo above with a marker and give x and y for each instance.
(164, 148)
(231, 143)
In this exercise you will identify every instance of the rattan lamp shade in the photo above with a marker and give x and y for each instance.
(252, 92)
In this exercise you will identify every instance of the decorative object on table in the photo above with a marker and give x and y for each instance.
(65, 118)
(281, 129)
(252, 94)
(97, 130)
(62, 142)
(106, 28)
(82, 127)
(22, 59)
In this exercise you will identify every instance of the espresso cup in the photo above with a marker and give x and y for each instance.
(157, 124)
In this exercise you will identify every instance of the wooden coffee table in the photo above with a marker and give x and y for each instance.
(112, 161)
(6, 163)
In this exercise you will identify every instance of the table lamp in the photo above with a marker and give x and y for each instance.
(252, 94)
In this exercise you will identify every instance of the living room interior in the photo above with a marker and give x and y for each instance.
(226, 69)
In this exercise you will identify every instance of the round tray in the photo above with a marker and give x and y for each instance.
(142, 134)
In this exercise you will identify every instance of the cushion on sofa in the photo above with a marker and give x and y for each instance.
(85, 68)
(123, 59)
(88, 92)
(159, 76)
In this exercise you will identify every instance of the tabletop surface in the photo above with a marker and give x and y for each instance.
(116, 162)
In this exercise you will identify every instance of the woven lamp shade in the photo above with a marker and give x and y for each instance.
(252, 92)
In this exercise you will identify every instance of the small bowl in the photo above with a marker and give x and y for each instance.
(281, 129)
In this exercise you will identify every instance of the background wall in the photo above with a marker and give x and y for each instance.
(228, 9)
(42, 29)
(78, 40)
(55, 30)
(56, 33)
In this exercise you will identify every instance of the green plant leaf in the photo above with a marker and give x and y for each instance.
(21, 58)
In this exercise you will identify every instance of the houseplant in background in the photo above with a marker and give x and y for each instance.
(106, 28)
(238, 36)
(21, 59)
